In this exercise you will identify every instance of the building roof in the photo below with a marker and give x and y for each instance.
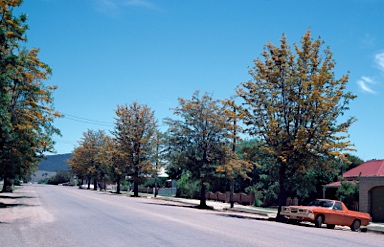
(337, 184)
(333, 185)
(373, 168)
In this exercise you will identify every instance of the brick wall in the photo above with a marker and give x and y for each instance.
(366, 184)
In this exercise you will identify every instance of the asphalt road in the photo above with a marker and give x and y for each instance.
(38, 215)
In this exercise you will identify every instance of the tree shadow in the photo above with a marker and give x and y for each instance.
(181, 205)
(170, 204)
(244, 216)
(10, 205)
(15, 197)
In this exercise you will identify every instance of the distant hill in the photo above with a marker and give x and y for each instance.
(54, 163)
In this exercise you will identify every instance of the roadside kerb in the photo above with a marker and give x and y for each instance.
(372, 227)
(267, 213)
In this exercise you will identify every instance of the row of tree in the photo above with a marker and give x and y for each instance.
(26, 104)
(128, 153)
(291, 107)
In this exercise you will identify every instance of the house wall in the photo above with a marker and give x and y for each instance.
(366, 185)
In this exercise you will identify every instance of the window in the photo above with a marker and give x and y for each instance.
(338, 206)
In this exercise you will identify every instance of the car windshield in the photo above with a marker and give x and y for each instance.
(321, 203)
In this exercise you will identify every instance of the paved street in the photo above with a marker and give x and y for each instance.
(38, 215)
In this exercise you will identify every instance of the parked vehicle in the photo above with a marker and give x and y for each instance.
(66, 184)
(85, 186)
(330, 212)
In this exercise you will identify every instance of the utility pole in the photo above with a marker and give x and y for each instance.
(157, 165)
(233, 150)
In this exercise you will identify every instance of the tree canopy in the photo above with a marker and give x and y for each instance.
(85, 160)
(198, 140)
(134, 131)
(293, 104)
(26, 104)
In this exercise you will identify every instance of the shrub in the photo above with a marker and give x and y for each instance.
(61, 176)
(348, 193)
(187, 187)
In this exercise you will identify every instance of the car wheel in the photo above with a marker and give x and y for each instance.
(293, 222)
(330, 226)
(319, 221)
(355, 225)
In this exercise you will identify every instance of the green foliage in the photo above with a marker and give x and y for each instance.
(26, 104)
(62, 176)
(348, 193)
(151, 182)
(188, 187)
(258, 195)
(269, 188)
(125, 185)
(352, 162)
(197, 139)
(292, 104)
(135, 145)
(134, 133)
(85, 161)
(264, 176)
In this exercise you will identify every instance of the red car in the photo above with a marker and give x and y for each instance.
(330, 212)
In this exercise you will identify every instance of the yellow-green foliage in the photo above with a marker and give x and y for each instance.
(26, 104)
(293, 103)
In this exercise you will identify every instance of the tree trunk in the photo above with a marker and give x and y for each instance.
(95, 184)
(135, 189)
(156, 191)
(7, 186)
(203, 200)
(231, 197)
(104, 185)
(89, 183)
(118, 185)
(282, 197)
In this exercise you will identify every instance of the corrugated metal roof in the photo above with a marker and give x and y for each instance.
(373, 168)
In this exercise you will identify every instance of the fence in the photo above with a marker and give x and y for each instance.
(240, 198)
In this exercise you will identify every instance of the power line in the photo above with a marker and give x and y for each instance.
(91, 121)
(86, 120)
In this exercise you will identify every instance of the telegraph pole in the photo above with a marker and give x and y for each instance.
(233, 150)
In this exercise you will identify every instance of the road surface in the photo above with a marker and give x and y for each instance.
(42, 215)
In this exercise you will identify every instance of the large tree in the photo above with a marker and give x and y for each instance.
(197, 138)
(112, 155)
(293, 104)
(134, 132)
(26, 104)
(85, 161)
(232, 165)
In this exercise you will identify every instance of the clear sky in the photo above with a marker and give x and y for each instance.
(106, 53)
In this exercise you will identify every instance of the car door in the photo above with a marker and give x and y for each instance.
(336, 215)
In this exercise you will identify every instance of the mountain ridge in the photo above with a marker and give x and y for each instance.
(55, 163)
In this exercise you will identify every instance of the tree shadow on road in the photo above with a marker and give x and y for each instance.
(172, 204)
(181, 205)
(10, 205)
(14, 197)
(244, 216)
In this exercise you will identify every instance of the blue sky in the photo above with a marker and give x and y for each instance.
(106, 53)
